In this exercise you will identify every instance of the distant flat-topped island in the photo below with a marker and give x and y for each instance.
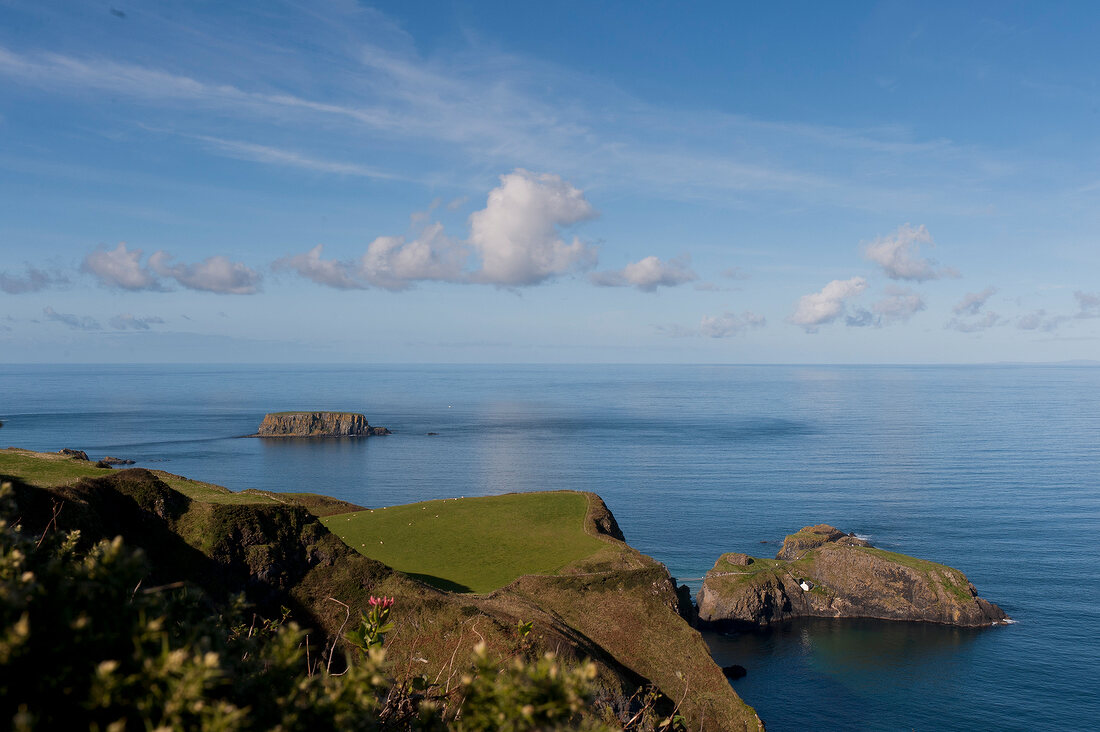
(317, 424)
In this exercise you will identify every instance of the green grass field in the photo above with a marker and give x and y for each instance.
(473, 544)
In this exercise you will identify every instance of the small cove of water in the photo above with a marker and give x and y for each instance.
(993, 470)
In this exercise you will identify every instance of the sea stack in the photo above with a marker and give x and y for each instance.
(317, 424)
(821, 572)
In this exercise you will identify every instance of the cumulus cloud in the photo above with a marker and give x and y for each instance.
(327, 272)
(126, 321)
(120, 267)
(900, 304)
(823, 307)
(394, 262)
(1088, 305)
(76, 322)
(514, 241)
(34, 280)
(648, 274)
(1040, 320)
(899, 255)
(517, 234)
(213, 274)
(973, 302)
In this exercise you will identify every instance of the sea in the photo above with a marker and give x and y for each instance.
(994, 470)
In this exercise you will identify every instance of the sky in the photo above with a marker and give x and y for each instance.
(571, 182)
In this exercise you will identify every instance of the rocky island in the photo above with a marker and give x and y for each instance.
(823, 572)
(317, 424)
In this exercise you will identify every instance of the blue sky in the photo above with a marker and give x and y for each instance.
(336, 181)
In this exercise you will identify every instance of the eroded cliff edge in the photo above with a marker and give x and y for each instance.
(317, 424)
(823, 572)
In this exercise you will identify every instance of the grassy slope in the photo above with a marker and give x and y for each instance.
(50, 470)
(474, 544)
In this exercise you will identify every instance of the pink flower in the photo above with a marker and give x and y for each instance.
(383, 602)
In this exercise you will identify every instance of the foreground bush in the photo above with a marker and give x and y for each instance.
(84, 645)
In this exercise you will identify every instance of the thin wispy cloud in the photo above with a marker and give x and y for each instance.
(32, 280)
(1088, 304)
(127, 321)
(488, 105)
(1041, 320)
(724, 325)
(290, 158)
(75, 322)
(973, 302)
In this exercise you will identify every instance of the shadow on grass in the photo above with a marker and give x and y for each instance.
(439, 582)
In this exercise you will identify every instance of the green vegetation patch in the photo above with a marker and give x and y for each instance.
(196, 490)
(45, 470)
(50, 470)
(473, 544)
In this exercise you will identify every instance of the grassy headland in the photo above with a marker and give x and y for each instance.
(473, 544)
(591, 595)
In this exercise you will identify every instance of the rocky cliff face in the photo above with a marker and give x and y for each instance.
(823, 572)
(317, 424)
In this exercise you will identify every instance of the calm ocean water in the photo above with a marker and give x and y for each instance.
(994, 470)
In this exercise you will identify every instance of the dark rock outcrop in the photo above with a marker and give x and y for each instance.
(736, 671)
(317, 424)
(823, 572)
(74, 454)
(117, 461)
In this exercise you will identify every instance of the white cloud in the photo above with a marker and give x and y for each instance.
(120, 267)
(729, 324)
(899, 255)
(823, 307)
(76, 322)
(899, 305)
(213, 274)
(394, 262)
(648, 274)
(973, 302)
(516, 234)
(327, 272)
(514, 241)
(126, 321)
(35, 280)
